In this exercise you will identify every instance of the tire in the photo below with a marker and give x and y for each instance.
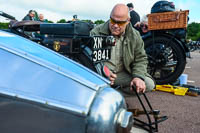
(166, 59)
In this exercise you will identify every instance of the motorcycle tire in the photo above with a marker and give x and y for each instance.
(166, 59)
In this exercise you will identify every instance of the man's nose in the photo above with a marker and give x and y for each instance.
(115, 25)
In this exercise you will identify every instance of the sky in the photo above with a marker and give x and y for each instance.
(55, 10)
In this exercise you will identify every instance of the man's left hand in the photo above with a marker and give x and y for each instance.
(139, 84)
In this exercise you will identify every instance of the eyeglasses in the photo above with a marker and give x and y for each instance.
(119, 23)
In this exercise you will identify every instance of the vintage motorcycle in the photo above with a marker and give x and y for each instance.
(194, 45)
(165, 43)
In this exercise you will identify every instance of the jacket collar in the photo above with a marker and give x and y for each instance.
(105, 28)
(128, 31)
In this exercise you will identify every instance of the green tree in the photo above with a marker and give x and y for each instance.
(87, 21)
(193, 31)
(62, 21)
(198, 36)
(4, 25)
(99, 22)
(49, 21)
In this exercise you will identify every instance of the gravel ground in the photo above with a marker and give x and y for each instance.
(183, 111)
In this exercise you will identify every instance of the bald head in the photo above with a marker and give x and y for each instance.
(120, 11)
(119, 19)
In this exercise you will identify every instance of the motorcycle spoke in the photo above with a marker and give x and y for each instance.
(170, 64)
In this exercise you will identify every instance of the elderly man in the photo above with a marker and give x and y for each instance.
(41, 18)
(128, 58)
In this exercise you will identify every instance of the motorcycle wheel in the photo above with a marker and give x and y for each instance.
(166, 59)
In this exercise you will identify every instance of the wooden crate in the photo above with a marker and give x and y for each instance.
(168, 20)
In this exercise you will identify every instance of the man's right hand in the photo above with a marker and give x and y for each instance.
(139, 84)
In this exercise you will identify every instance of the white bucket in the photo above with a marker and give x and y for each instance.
(183, 79)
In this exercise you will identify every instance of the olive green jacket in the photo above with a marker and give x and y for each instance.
(134, 55)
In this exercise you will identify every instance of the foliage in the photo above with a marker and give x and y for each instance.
(49, 21)
(62, 21)
(4, 25)
(193, 31)
(99, 22)
(87, 21)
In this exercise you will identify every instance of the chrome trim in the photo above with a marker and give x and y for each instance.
(125, 119)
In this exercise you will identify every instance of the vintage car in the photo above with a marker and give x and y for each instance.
(42, 91)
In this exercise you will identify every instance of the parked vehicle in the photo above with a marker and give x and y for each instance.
(42, 91)
(194, 45)
(165, 43)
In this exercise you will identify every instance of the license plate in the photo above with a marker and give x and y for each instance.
(101, 55)
(100, 51)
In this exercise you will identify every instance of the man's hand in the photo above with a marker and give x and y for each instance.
(139, 84)
(143, 26)
(137, 25)
(112, 78)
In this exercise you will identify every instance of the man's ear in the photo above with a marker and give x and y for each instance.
(129, 20)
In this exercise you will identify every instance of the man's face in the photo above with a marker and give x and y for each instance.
(32, 14)
(41, 17)
(117, 24)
